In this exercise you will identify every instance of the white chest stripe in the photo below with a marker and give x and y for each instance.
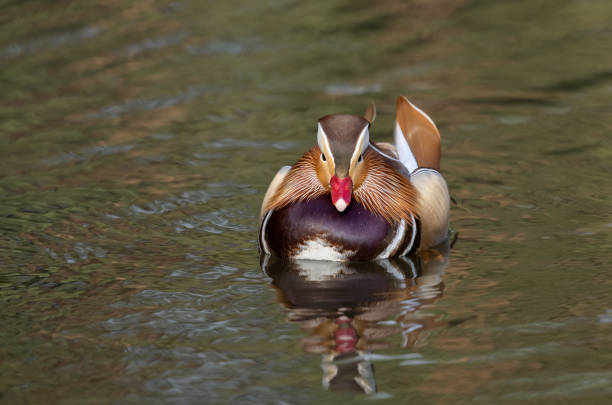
(395, 242)
(264, 243)
(319, 249)
(412, 238)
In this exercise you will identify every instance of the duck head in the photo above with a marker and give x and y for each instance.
(343, 140)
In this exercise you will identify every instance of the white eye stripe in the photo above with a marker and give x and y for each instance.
(362, 143)
(324, 144)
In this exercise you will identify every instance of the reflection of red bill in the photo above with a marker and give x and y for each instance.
(346, 339)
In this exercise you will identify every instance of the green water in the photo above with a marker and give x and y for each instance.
(136, 142)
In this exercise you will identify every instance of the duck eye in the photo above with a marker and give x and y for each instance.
(360, 158)
(323, 157)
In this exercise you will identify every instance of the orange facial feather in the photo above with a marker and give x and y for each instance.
(380, 188)
(384, 191)
(301, 183)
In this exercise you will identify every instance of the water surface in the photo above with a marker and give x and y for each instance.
(137, 140)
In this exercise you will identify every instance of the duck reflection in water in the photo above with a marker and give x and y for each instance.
(351, 309)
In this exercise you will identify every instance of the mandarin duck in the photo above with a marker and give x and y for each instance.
(349, 199)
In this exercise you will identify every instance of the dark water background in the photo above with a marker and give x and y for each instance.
(137, 139)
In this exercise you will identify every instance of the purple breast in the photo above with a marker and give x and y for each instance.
(356, 230)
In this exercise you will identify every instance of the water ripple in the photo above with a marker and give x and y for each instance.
(352, 90)
(51, 42)
(194, 375)
(231, 143)
(232, 48)
(161, 42)
(216, 190)
(185, 322)
(155, 297)
(81, 251)
(86, 153)
(561, 386)
(149, 104)
(514, 119)
(214, 273)
(215, 222)
(606, 317)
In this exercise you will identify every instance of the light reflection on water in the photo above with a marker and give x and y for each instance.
(137, 140)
